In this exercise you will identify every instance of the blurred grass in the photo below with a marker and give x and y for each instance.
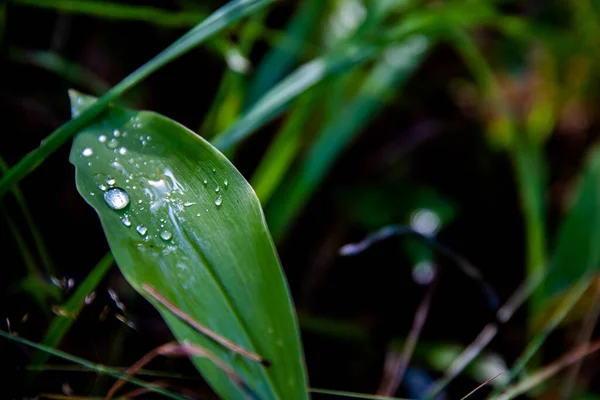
(120, 11)
(101, 369)
(70, 310)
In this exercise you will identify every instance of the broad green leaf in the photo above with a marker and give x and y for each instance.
(179, 217)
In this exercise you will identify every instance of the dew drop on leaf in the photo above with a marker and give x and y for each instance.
(141, 229)
(126, 221)
(87, 152)
(116, 198)
(166, 235)
(219, 201)
(112, 143)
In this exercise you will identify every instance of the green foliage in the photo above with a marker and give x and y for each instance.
(179, 217)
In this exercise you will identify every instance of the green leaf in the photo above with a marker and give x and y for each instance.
(577, 248)
(192, 228)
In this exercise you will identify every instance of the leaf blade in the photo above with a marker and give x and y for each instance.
(216, 262)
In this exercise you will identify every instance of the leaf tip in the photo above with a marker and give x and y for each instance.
(79, 102)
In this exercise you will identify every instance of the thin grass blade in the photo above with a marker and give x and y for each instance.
(216, 22)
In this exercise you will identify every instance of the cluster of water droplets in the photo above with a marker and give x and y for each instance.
(134, 193)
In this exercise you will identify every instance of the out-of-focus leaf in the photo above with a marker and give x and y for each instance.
(179, 217)
(117, 10)
(396, 65)
(577, 248)
(282, 57)
(61, 323)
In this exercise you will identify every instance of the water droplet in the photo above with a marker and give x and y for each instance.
(214, 170)
(226, 182)
(87, 152)
(102, 138)
(205, 181)
(102, 187)
(219, 201)
(112, 143)
(111, 181)
(140, 201)
(188, 204)
(197, 215)
(116, 133)
(141, 229)
(148, 138)
(217, 189)
(122, 151)
(126, 221)
(166, 235)
(116, 198)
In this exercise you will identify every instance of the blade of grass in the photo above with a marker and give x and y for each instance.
(61, 324)
(480, 386)
(583, 336)
(38, 288)
(228, 100)
(396, 367)
(545, 373)
(352, 395)
(526, 155)
(539, 339)
(67, 70)
(178, 350)
(397, 65)
(486, 335)
(281, 152)
(101, 369)
(284, 54)
(278, 98)
(219, 20)
(141, 372)
(119, 11)
(31, 225)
